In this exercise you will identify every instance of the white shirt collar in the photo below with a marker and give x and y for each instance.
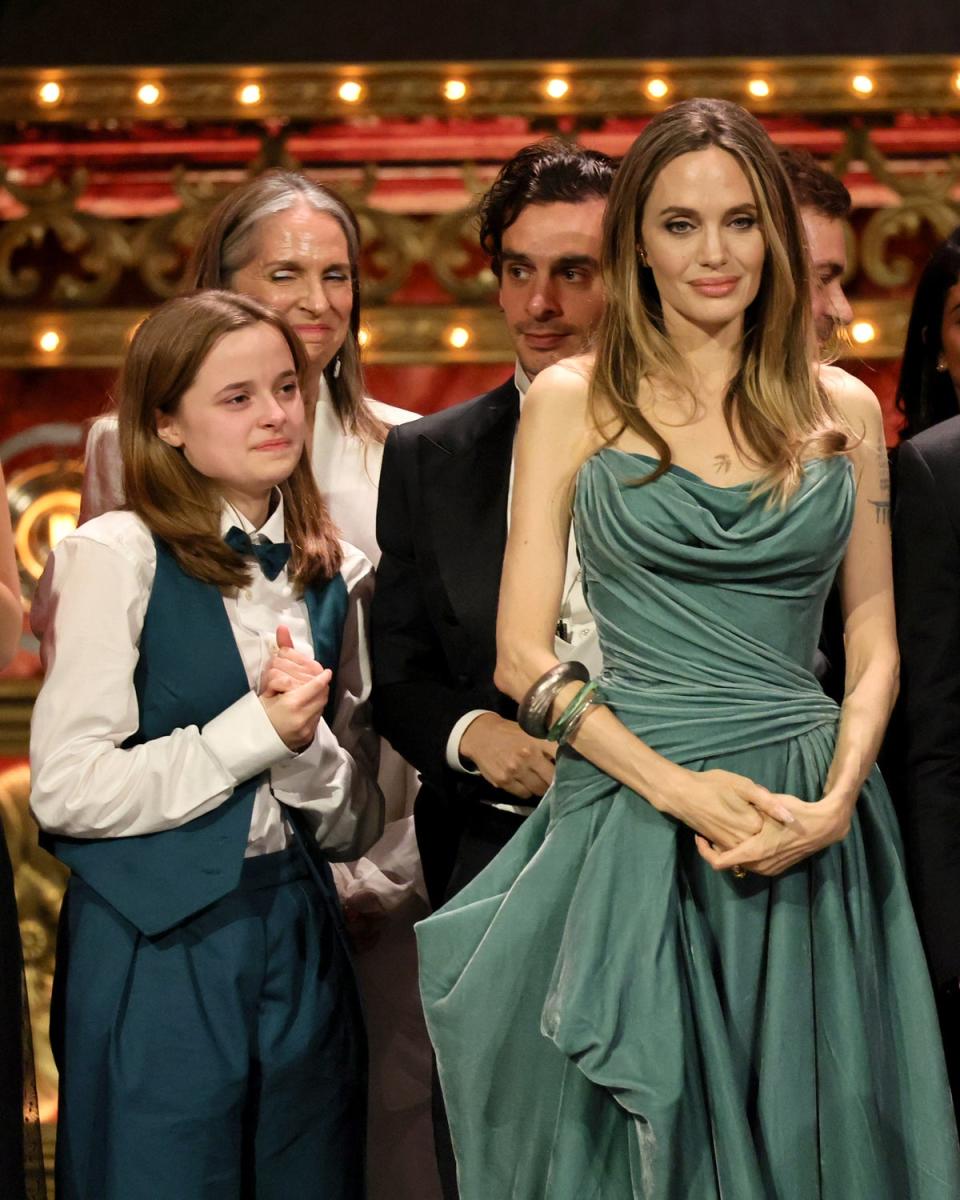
(522, 380)
(270, 531)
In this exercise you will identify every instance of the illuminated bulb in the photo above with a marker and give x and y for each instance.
(458, 337)
(758, 88)
(363, 336)
(148, 94)
(956, 81)
(251, 93)
(454, 89)
(59, 525)
(50, 93)
(863, 85)
(49, 341)
(351, 91)
(657, 89)
(863, 332)
(556, 89)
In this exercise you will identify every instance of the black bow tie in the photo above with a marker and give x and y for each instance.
(272, 556)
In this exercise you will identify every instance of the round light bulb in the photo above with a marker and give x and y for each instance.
(148, 94)
(351, 91)
(657, 89)
(454, 89)
(863, 85)
(863, 332)
(458, 337)
(956, 81)
(49, 341)
(556, 89)
(758, 88)
(251, 93)
(50, 93)
(363, 336)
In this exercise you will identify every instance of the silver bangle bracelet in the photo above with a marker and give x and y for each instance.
(533, 715)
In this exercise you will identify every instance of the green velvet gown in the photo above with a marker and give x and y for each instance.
(612, 1018)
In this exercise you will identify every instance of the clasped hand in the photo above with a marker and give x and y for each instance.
(739, 823)
(777, 847)
(294, 690)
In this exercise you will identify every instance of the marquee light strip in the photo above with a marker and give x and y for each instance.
(391, 334)
(609, 87)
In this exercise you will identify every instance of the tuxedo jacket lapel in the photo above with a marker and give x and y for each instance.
(467, 480)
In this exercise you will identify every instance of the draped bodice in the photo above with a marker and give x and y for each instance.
(638, 1024)
(710, 596)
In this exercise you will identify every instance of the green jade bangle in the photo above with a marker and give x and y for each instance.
(569, 717)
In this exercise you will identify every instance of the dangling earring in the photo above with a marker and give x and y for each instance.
(642, 255)
(941, 362)
(336, 367)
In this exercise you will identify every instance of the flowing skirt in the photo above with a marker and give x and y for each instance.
(614, 1020)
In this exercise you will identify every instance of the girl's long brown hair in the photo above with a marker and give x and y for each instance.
(774, 403)
(174, 500)
(227, 243)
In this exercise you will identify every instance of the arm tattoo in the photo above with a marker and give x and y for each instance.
(883, 463)
(882, 510)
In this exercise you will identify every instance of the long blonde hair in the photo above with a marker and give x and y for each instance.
(774, 399)
(172, 498)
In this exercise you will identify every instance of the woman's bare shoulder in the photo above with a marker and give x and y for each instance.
(854, 401)
(560, 399)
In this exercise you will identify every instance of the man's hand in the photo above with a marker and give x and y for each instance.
(507, 757)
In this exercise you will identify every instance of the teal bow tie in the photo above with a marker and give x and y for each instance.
(272, 556)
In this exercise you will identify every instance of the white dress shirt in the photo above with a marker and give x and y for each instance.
(576, 629)
(89, 613)
(347, 470)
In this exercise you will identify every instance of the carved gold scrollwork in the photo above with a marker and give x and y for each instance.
(391, 246)
(99, 247)
(924, 200)
(450, 246)
(919, 208)
(39, 882)
(161, 246)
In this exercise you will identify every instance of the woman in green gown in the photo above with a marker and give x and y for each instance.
(694, 973)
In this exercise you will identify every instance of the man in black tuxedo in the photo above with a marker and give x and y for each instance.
(824, 205)
(442, 528)
(927, 575)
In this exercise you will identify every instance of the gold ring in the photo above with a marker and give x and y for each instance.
(738, 872)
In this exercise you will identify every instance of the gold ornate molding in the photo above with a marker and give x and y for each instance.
(56, 338)
(594, 88)
(394, 334)
(883, 326)
(16, 704)
(39, 882)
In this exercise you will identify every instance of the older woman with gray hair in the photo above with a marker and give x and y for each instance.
(294, 245)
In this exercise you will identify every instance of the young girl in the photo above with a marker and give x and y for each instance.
(200, 747)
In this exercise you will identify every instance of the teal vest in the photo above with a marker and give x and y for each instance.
(189, 671)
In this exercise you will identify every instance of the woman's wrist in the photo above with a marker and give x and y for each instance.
(839, 803)
(664, 784)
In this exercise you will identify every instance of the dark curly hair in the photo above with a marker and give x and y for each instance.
(813, 186)
(547, 172)
(925, 395)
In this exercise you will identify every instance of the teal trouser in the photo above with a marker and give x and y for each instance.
(224, 1060)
